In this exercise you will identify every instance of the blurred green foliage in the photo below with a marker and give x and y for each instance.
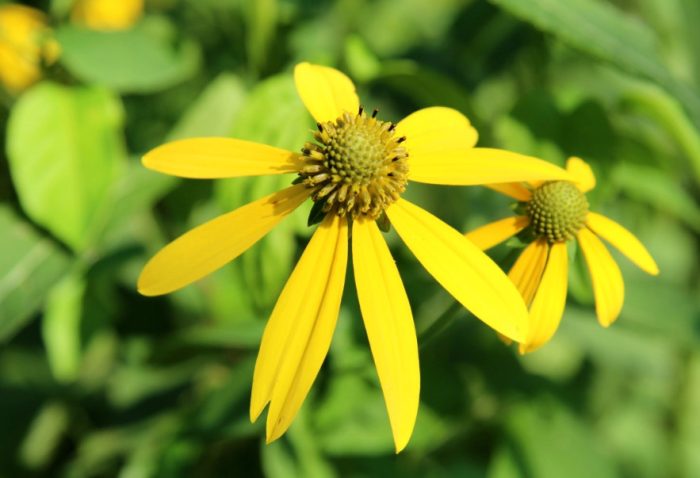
(98, 381)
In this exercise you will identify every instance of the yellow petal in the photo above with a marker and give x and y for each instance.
(481, 166)
(514, 190)
(462, 269)
(209, 158)
(326, 92)
(582, 173)
(300, 329)
(107, 14)
(608, 287)
(527, 270)
(623, 240)
(389, 325)
(434, 130)
(492, 234)
(550, 299)
(210, 246)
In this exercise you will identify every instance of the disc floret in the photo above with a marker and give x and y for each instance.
(557, 210)
(357, 167)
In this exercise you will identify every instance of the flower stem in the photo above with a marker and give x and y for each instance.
(437, 326)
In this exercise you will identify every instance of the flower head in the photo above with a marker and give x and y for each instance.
(107, 14)
(355, 171)
(24, 45)
(556, 212)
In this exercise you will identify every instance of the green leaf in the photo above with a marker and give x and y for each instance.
(273, 114)
(44, 435)
(551, 442)
(133, 61)
(689, 419)
(61, 327)
(60, 8)
(603, 31)
(237, 335)
(362, 62)
(647, 184)
(29, 266)
(65, 152)
(424, 86)
(261, 19)
(298, 454)
(668, 112)
(211, 114)
(214, 111)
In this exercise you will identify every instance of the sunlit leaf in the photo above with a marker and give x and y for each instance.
(61, 326)
(600, 29)
(29, 266)
(65, 151)
(133, 61)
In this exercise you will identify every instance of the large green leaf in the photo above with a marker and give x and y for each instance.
(65, 152)
(29, 266)
(134, 61)
(601, 30)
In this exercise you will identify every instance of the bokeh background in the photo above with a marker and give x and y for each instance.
(96, 381)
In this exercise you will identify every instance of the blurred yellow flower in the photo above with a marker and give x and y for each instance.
(107, 14)
(24, 44)
(557, 212)
(355, 172)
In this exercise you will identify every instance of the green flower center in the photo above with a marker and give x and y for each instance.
(357, 167)
(557, 210)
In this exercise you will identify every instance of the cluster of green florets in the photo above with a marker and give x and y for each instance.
(357, 167)
(557, 210)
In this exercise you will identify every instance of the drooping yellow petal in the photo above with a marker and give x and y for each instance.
(526, 273)
(462, 269)
(514, 190)
(550, 299)
(326, 92)
(485, 237)
(431, 131)
(300, 329)
(389, 325)
(210, 158)
(623, 240)
(608, 287)
(481, 166)
(210, 246)
(582, 173)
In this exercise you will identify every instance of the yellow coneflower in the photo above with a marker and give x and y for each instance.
(355, 172)
(24, 44)
(107, 14)
(557, 212)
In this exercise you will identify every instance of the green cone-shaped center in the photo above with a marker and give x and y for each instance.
(357, 167)
(356, 152)
(557, 210)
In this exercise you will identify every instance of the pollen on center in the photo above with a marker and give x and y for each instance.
(357, 167)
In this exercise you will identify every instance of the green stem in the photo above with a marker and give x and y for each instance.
(437, 326)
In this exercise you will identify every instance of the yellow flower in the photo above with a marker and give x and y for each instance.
(355, 172)
(24, 44)
(107, 14)
(557, 212)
